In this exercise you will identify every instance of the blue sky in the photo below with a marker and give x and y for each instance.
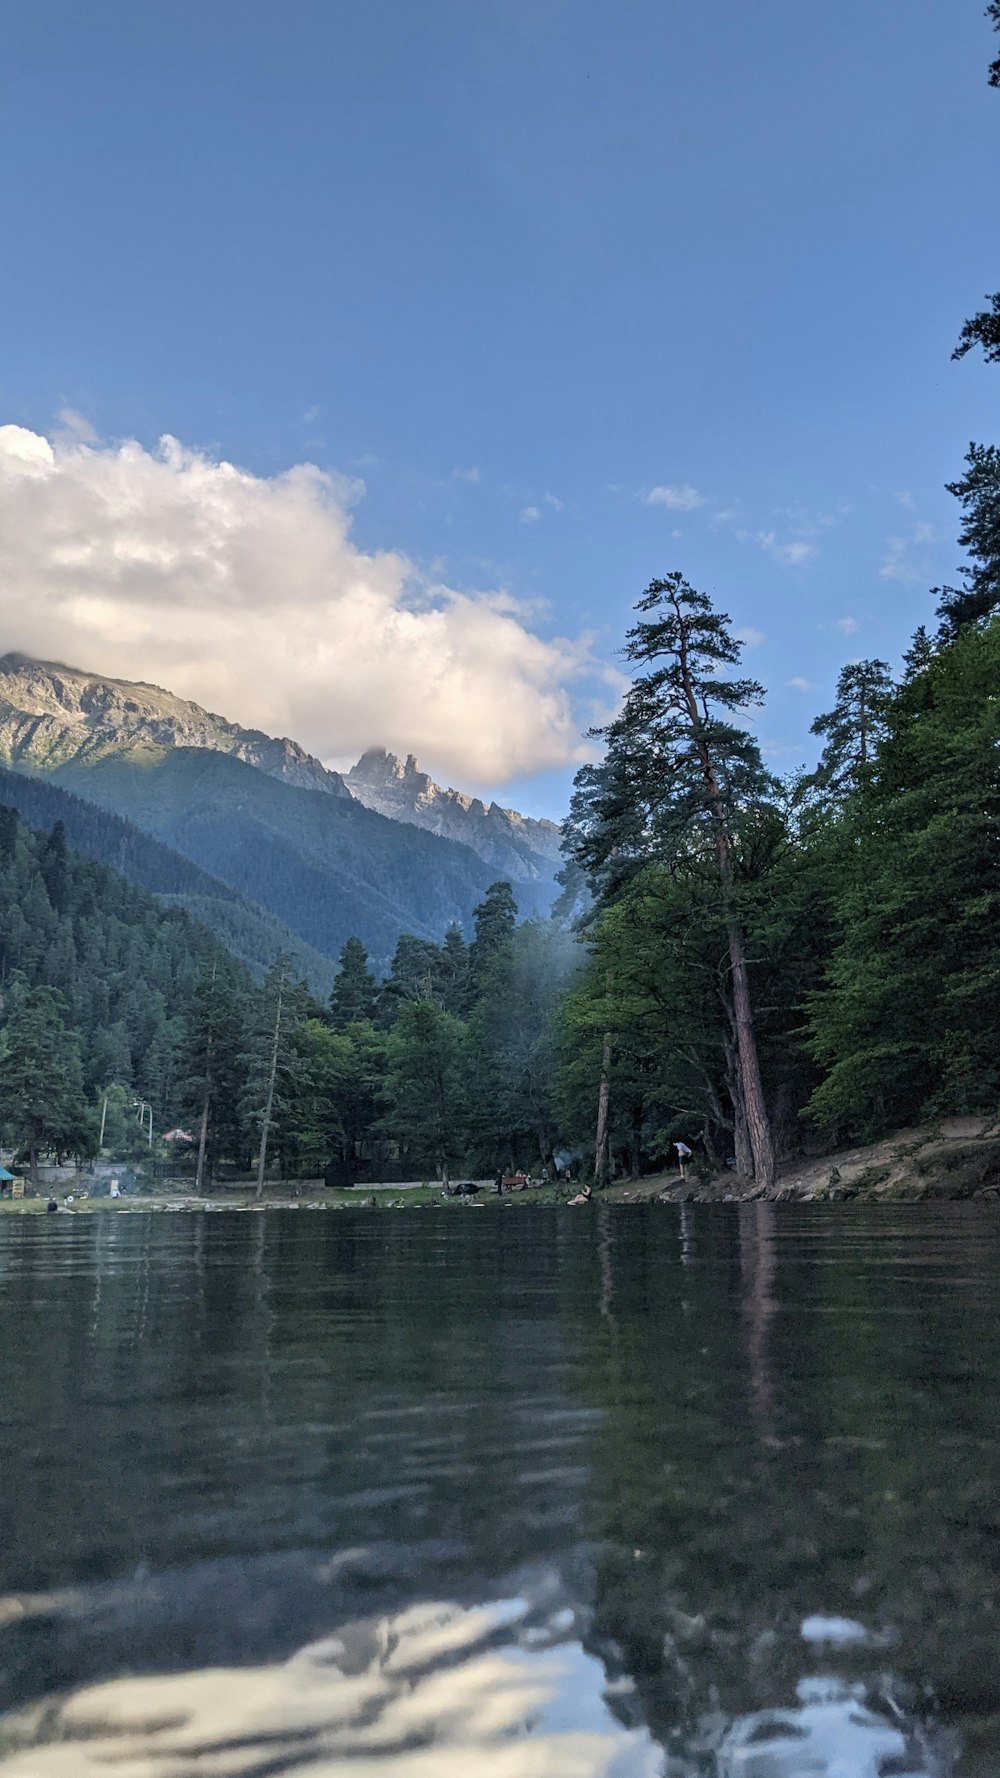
(518, 265)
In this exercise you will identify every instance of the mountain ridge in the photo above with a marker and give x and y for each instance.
(521, 847)
(52, 714)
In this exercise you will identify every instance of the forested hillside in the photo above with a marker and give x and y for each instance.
(95, 976)
(249, 932)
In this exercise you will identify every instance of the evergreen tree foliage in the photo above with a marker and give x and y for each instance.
(906, 1024)
(123, 963)
(425, 1086)
(212, 1056)
(676, 783)
(42, 1107)
(355, 990)
(852, 729)
(495, 920)
(510, 1058)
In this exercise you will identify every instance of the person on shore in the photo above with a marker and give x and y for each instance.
(51, 1206)
(584, 1196)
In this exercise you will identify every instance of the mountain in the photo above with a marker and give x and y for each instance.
(259, 815)
(248, 931)
(325, 865)
(51, 715)
(515, 846)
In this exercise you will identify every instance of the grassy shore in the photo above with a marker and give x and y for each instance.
(958, 1158)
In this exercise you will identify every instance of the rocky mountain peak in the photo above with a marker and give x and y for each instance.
(515, 845)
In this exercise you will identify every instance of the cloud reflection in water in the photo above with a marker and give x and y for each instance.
(427, 1694)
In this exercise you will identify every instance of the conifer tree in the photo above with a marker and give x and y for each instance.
(675, 781)
(42, 1107)
(355, 990)
(425, 1085)
(852, 730)
(211, 1047)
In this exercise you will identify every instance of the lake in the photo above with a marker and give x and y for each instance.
(509, 1492)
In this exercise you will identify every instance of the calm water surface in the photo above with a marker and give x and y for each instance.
(511, 1492)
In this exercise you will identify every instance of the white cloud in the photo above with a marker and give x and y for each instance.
(798, 684)
(248, 594)
(925, 534)
(556, 504)
(791, 555)
(753, 638)
(897, 565)
(467, 475)
(683, 499)
(847, 624)
(530, 515)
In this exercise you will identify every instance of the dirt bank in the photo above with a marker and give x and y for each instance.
(956, 1158)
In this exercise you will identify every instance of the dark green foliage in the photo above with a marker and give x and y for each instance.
(852, 730)
(248, 932)
(510, 1046)
(908, 1021)
(123, 963)
(42, 1107)
(495, 918)
(355, 990)
(213, 1058)
(425, 1086)
(979, 495)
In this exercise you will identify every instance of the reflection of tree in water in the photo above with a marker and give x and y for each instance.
(815, 1434)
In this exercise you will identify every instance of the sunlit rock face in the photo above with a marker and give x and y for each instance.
(519, 847)
(52, 716)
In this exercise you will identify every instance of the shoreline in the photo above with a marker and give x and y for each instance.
(955, 1160)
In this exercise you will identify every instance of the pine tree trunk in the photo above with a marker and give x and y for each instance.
(741, 1136)
(199, 1177)
(751, 1086)
(603, 1098)
(265, 1127)
(754, 1108)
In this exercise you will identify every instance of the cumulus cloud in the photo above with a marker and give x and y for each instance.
(683, 499)
(248, 594)
(799, 684)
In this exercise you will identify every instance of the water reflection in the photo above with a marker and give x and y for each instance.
(430, 1693)
(648, 1459)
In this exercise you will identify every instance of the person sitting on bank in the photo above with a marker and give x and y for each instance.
(583, 1197)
